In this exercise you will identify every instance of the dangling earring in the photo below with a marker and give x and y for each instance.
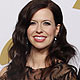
(55, 38)
(26, 41)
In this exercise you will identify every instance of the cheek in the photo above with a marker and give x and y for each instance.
(51, 31)
(30, 30)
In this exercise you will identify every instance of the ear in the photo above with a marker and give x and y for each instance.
(57, 29)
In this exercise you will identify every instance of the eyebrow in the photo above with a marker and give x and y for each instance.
(43, 20)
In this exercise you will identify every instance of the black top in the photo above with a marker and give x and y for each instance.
(60, 71)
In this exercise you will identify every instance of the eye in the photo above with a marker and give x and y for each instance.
(47, 23)
(32, 23)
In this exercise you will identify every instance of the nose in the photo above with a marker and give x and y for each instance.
(39, 29)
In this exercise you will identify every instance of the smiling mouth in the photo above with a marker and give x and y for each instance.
(39, 38)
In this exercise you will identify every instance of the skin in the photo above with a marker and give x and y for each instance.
(42, 24)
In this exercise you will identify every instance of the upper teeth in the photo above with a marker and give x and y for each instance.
(39, 37)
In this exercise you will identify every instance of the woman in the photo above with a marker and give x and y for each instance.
(40, 50)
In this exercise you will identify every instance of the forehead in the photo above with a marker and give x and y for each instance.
(44, 13)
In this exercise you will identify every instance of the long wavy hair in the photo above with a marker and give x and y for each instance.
(59, 49)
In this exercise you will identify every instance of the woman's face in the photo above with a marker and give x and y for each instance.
(42, 29)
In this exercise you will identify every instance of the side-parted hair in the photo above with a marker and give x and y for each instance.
(59, 49)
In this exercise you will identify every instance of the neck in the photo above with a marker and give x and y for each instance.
(37, 58)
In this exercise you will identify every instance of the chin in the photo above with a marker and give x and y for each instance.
(41, 47)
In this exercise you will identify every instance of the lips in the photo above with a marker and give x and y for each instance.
(39, 38)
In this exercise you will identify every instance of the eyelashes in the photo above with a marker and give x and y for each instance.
(32, 23)
(46, 23)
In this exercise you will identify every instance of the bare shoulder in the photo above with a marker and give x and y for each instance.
(3, 71)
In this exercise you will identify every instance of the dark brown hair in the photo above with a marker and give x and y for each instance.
(59, 49)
